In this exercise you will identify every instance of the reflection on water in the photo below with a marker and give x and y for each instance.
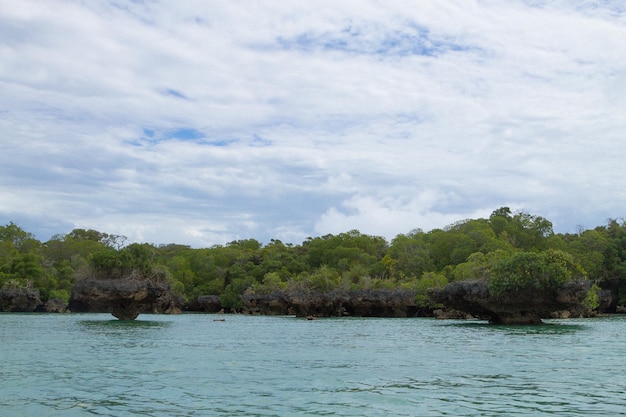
(122, 324)
(547, 327)
(125, 333)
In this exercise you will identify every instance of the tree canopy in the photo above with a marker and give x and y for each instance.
(509, 249)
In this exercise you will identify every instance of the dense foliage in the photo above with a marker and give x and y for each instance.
(510, 250)
(543, 271)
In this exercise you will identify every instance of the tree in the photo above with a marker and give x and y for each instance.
(409, 256)
(589, 248)
(532, 271)
(615, 261)
(426, 283)
(139, 260)
(522, 230)
(345, 250)
(500, 220)
(108, 264)
(17, 237)
(478, 265)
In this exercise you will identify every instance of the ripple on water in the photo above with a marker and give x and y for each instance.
(187, 365)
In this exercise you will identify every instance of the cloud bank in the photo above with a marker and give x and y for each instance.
(204, 122)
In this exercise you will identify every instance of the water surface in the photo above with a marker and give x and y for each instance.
(191, 365)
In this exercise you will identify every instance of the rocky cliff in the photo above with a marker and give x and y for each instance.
(362, 303)
(124, 298)
(204, 304)
(19, 299)
(522, 307)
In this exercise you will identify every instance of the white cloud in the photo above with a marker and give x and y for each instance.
(202, 122)
(391, 216)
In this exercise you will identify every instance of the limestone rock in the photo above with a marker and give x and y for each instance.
(360, 303)
(124, 298)
(19, 299)
(54, 305)
(205, 303)
(522, 307)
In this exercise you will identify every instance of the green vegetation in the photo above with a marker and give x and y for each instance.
(543, 271)
(512, 251)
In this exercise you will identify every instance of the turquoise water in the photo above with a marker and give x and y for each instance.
(190, 365)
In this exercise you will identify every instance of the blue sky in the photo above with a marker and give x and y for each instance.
(202, 122)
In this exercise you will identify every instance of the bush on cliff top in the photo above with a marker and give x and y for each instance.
(533, 271)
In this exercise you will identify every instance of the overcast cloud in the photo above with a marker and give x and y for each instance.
(202, 122)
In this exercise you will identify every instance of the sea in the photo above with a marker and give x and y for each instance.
(235, 365)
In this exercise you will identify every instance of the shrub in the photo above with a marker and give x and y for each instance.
(531, 271)
(427, 281)
(592, 301)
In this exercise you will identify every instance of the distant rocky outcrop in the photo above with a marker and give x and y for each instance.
(360, 303)
(19, 299)
(124, 298)
(205, 304)
(53, 305)
(521, 307)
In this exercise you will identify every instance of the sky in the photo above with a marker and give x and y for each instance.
(202, 122)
